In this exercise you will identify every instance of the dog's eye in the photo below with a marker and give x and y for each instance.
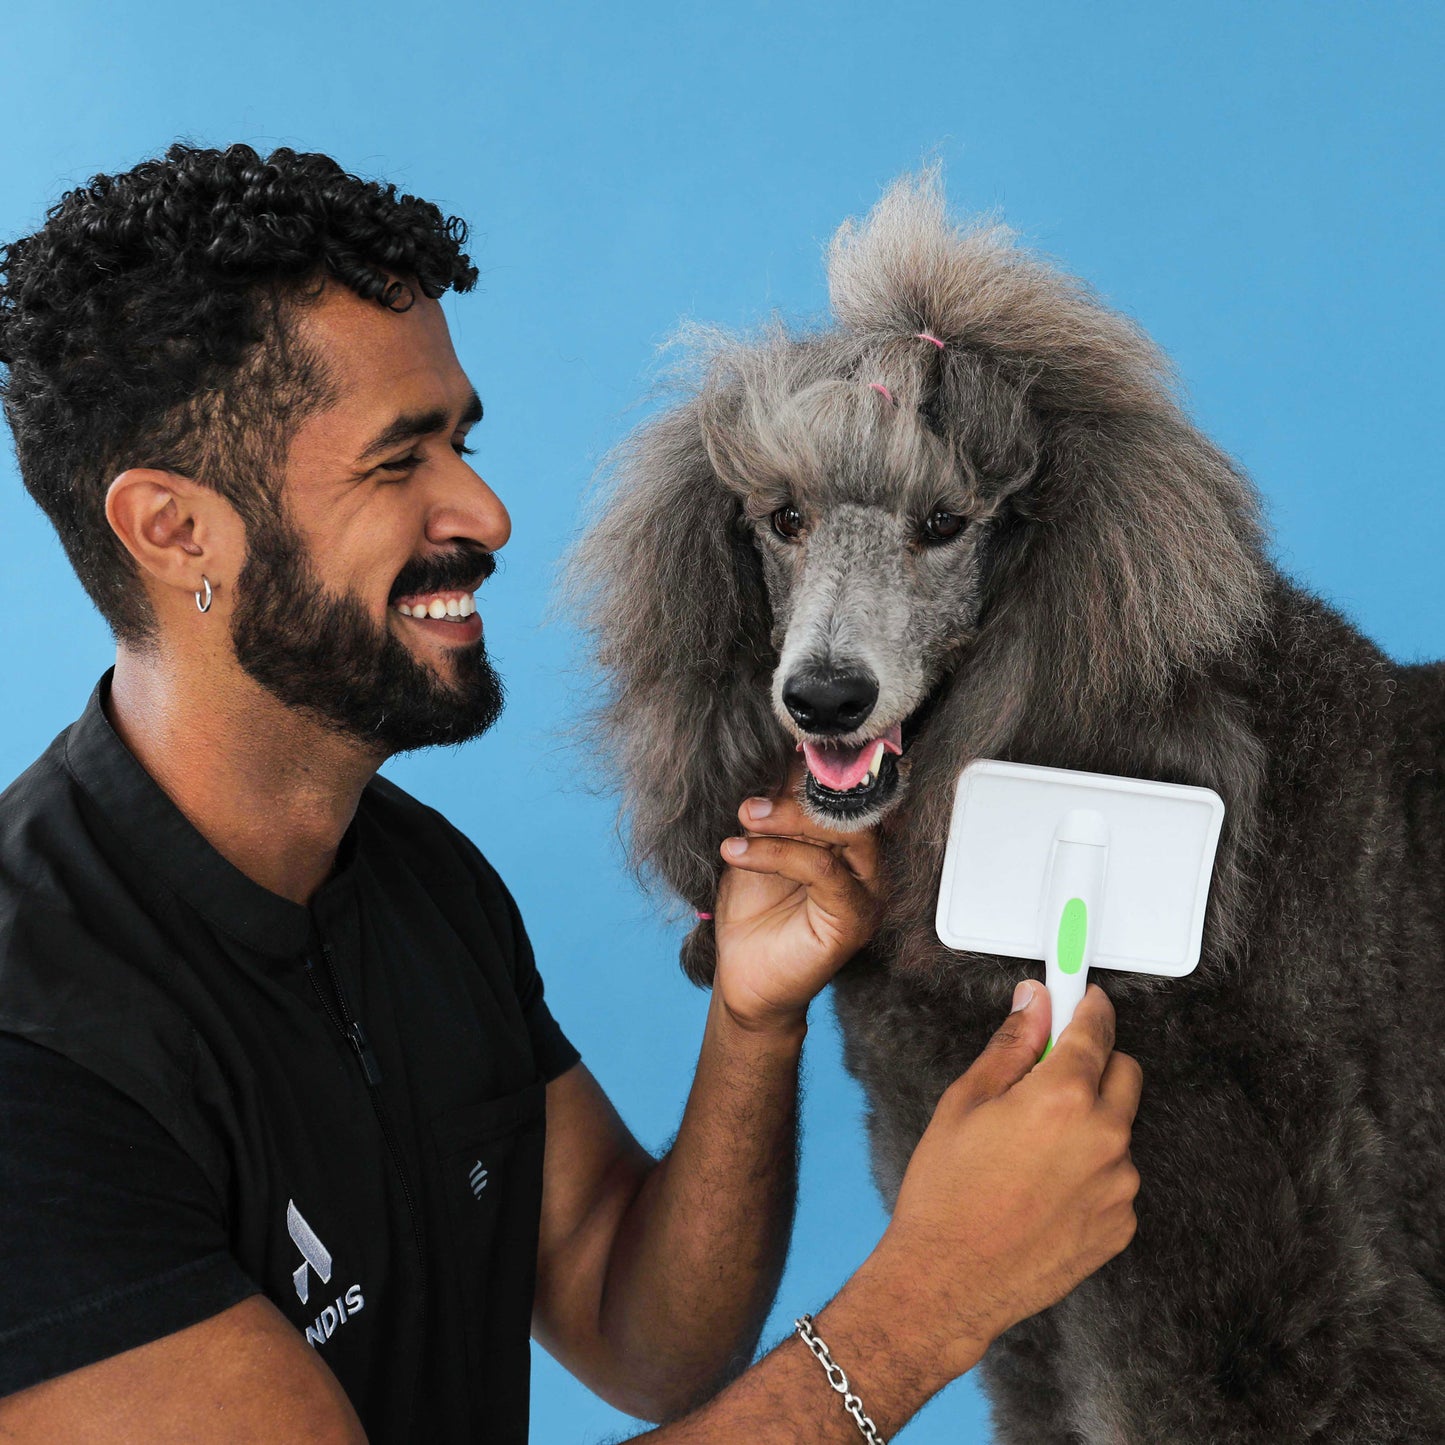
(787, 523)
(943, 526)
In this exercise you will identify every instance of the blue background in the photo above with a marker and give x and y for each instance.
(1258, 183)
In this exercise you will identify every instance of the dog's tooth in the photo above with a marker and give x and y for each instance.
(874, 767)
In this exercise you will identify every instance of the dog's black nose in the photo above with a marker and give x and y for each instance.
(837, 703)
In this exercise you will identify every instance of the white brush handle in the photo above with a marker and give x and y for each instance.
(1071, 913)
(1066, 990)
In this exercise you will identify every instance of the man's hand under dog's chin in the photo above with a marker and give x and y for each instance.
(796, 902)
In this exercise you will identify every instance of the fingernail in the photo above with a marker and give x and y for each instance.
(759, 807)
(735, 847)
(1022, 994)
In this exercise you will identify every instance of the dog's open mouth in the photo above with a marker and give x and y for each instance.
(849, 780)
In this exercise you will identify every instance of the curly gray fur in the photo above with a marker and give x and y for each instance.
(1110, 607)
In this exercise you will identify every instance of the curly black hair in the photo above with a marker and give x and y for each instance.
(147, 323)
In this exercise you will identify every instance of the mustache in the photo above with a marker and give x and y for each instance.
(462, 569)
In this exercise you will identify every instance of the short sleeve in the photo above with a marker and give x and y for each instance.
(554, 1051)
(110, 1235)
(552, 1048)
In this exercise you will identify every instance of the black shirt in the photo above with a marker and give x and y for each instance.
(207, 1091)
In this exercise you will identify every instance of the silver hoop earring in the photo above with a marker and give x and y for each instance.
(203, 597)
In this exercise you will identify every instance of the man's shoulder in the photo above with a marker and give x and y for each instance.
(42, 826)
(405, 822)
(82, 972)
(66, 886)
(414, 841)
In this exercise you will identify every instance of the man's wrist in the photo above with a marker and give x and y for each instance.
(897, 1352)
(768, 1029)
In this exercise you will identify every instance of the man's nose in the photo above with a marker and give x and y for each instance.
(831, 702)
(467, 509)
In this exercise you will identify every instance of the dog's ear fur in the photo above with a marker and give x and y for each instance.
(670, 585)
(1140, 559)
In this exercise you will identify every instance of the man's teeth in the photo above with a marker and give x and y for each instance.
(456, 607)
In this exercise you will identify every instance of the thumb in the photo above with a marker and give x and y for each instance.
(1014, 1049)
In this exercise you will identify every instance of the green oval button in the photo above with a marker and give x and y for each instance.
(1073, 929)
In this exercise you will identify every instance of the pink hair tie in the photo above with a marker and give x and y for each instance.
(929, 336)
(882, 391)
(704, 917)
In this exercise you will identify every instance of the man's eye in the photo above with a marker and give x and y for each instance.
(412, 462)
(787, 523)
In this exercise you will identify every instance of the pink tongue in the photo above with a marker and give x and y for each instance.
(842, 768)
(839, 768)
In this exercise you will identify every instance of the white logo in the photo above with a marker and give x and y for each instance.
(315, 1255)
(313, 1252)
(478, 1178)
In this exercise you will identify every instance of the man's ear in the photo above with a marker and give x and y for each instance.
(176, 529)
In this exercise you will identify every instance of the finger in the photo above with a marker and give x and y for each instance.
(1121, 1085)
(790, 799)
(1088, 1038)
(828, 882)
(783, 816)
(783, 812)
(1014, 1048)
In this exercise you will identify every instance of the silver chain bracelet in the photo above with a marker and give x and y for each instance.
(838, 1380)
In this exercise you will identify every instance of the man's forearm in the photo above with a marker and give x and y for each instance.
(698, 1255)
(893, 1362)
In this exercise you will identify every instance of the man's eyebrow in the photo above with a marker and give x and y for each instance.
(411, 424)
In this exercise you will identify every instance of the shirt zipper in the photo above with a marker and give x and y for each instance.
(347, 1024)
(349, 1027)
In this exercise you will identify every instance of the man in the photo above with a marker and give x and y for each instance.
(275, 1058)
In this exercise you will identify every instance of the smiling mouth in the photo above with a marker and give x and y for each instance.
(849, 780)
(439, 606)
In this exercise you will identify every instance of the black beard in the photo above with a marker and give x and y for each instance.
(324, 656)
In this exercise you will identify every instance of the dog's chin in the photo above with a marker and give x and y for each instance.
(858, 808)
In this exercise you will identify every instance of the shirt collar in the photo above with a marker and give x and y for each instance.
(149, 823)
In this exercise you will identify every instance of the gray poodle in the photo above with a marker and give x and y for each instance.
(970, 519)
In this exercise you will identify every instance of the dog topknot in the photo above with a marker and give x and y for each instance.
(910, 266)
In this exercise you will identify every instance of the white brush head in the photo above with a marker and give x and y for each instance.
(1008, 820)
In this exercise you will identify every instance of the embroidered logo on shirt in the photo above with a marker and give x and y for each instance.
(478, 1178)
(316, 1256)
(313, 1253)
